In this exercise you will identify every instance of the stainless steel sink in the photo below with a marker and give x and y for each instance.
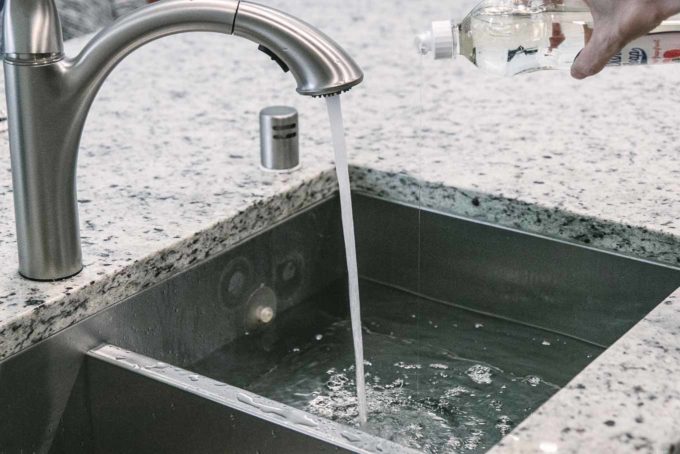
(138, 404)
(122, 381)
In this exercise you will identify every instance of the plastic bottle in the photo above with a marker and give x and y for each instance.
(509, 37)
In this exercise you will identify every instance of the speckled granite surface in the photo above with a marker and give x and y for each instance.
(168, 174)
(85, 16)
(594, 161)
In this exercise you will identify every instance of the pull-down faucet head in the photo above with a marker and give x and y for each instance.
(49, 96)
(319, 65)
(32, 32)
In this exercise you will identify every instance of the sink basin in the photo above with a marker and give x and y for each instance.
(485, 296)
(138, 404)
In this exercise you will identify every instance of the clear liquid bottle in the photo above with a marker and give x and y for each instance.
(509, 37)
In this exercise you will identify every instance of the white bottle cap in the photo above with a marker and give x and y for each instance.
(439, 39)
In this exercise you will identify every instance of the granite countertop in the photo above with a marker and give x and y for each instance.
(168, 174)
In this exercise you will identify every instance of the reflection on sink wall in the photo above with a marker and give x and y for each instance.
(564, 291)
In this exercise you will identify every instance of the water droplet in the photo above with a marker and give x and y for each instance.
(302, 420)
(546, 343)
(351, 437)
(504, 424)
(479, 325)
(318, 337)
(193, 377)
(246, 399)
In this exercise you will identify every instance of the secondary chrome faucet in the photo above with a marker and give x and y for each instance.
(49, 96)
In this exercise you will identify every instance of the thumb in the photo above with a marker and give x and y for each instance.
(604, 43)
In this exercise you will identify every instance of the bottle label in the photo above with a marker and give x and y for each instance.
(654, 48)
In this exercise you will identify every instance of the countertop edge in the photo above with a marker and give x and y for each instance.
(50, 317)
(638, 242)
(617, 403)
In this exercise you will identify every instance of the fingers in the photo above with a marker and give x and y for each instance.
(602, 46)
(557, 37)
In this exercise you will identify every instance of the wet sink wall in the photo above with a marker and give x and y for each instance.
(549, 283)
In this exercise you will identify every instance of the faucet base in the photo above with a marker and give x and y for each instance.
(38, 279)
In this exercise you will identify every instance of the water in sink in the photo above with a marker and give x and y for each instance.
(439, 378)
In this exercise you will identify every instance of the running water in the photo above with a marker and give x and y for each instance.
(342, 170)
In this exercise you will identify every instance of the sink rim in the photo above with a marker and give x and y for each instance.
(230, 396)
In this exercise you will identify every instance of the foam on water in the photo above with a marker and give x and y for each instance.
(453, 407)
(454, 388)
(342, 170)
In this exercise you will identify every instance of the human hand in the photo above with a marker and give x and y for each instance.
(615, 24)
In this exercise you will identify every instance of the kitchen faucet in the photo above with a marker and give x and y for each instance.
(49, 96)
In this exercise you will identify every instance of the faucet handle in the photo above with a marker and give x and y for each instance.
(32, 30)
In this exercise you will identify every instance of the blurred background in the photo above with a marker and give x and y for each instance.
(84, 16)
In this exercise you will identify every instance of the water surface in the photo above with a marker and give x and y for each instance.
(439, 379)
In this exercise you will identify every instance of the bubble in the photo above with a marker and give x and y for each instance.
(532, 380)
(480, 374)
(504, 425)
(407, 366)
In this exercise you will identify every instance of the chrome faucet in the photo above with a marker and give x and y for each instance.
(49, 96)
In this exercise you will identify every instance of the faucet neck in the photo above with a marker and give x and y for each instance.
(32, 31)
(49, 96)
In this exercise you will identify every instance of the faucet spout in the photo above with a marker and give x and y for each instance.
(320, 66)
(49, 96)
(107, 48)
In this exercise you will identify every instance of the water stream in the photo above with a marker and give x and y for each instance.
(342, 170)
